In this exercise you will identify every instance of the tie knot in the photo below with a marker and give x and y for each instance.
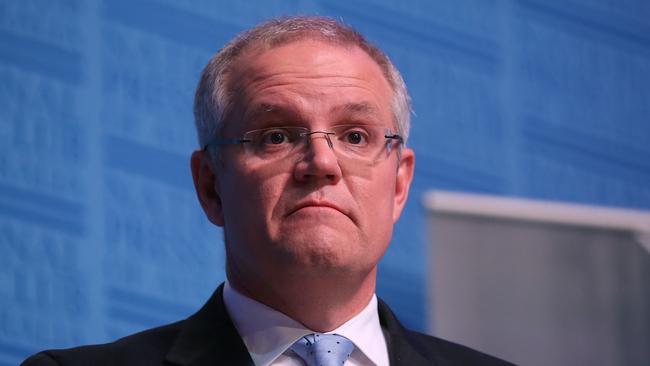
(319, 349)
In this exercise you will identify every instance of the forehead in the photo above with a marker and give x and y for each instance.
(310, 76)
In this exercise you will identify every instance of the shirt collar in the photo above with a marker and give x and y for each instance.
(365, 331)
(267, 333)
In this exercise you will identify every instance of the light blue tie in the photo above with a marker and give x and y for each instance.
(319, 349)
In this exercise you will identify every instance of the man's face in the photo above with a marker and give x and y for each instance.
(310, 214)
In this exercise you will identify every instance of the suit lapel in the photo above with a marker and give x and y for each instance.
(401, 348)
(209, 338)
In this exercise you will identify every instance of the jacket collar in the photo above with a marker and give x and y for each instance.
(208, 337)
(400, 341)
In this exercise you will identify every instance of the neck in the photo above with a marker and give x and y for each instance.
(320, 302)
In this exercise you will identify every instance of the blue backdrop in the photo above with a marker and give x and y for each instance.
(100, 231)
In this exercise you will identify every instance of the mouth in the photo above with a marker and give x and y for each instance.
(317, 205)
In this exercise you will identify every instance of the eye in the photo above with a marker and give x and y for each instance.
(355, 137)
(275, 137)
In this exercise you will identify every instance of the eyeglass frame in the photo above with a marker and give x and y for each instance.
(240, 141)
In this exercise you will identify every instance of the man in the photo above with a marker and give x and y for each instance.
(302, 125)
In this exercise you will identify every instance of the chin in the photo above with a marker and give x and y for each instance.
(319, 251)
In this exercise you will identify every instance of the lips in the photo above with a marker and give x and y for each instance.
(322, 204)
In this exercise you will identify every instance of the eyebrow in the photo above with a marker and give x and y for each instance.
(267, 108)
(270, 109)
(363, 108)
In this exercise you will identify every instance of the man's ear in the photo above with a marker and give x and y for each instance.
(207, 187)
(403, 181)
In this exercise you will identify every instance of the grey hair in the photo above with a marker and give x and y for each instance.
(213, 98)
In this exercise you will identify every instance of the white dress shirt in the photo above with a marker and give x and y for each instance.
(268, 333)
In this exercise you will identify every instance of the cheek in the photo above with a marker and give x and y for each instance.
(375, 202)
(376, 218)
(268, 197)
(254, 195)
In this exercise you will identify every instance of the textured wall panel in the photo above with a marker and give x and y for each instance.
(101, 229)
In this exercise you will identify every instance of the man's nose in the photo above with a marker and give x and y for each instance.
(319, 161)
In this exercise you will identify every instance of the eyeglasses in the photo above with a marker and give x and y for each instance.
(362, 143)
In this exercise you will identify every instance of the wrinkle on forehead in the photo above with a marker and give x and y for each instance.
(362, 107)
(269, 63)
(343, 80)
(362, 110)
(266, 81)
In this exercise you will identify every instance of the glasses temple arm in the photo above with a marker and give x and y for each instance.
(220, 142)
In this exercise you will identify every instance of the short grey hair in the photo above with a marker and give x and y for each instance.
(213, 98)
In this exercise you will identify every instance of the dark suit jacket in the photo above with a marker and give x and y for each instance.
(209, 338)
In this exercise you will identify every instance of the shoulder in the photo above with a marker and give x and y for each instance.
(207, 337)
(144, 348)
(407, 347)
(450, 353)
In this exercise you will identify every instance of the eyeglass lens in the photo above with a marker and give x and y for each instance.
(365, 143)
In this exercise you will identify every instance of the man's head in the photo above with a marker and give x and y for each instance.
(320, 211)
(213, 98)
